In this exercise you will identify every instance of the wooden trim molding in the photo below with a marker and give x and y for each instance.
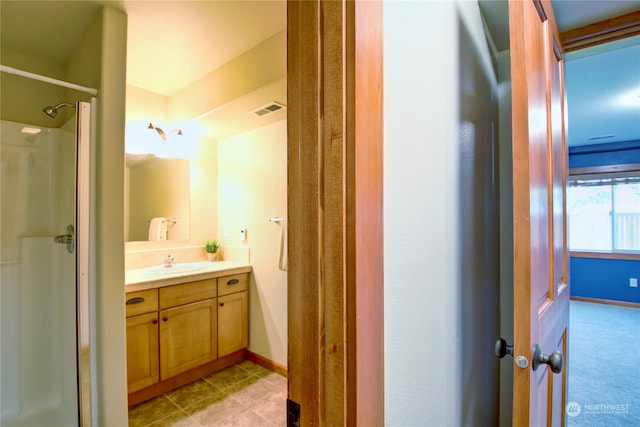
(605, 255)
(335, 278)
(607, 301)
(304, 303)
(602, 32)
(365, 255)
(266, 363)
(629, 167)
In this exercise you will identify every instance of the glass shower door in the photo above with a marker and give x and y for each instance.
(40, 293)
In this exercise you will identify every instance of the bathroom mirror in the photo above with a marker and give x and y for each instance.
(156, 187)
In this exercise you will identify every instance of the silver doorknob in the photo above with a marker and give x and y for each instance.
(67, 239)
(554, 360)
(502, 348)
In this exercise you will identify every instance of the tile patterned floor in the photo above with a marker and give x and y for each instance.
(244, 394)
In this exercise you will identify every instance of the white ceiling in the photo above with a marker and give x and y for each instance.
(602, 83)
(572, 14)
(603, 93)
(172, 43)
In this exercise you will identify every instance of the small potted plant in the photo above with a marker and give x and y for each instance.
(212, 247)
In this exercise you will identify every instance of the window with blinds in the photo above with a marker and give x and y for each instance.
(603, 211)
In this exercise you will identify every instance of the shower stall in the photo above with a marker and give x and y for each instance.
(45, 273)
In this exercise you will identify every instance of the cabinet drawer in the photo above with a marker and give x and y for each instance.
(230, 284)
(141, 302)
(171, 296)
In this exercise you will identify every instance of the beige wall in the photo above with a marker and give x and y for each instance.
(109, 220)
(252, 184)
(23, 99)
(254, 69)
(204, 192)
(144, 107)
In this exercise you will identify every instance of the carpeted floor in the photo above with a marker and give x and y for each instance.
(604, 365)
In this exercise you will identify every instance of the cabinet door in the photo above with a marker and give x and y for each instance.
(142, 351)
(233, 319)
(188, 337)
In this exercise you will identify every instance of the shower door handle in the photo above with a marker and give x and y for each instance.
(67, 239)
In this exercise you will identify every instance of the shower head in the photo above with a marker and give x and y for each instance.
(52, 111)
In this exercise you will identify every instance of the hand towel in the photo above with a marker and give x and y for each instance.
(283, 255)
(158, 228)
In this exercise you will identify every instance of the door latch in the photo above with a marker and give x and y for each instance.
(502, 349)
(67, 239)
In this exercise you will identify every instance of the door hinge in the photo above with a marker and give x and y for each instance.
(293, 413)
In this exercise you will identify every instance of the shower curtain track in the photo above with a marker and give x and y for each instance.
(33, 76)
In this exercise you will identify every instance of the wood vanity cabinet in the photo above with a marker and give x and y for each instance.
(174, 329)
(142, 339)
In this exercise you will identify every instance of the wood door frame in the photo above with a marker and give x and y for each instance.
(335, 277)
(616, 28)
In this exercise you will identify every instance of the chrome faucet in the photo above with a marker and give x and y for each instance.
(169, 261)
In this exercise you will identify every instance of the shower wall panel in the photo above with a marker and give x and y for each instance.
(37, 276)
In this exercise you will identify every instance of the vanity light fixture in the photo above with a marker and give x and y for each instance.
(164, 134)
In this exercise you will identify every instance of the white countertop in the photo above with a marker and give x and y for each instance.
(146, 278)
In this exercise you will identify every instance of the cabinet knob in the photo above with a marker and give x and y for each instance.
(221, 304)
(164, 319)
(154, 321)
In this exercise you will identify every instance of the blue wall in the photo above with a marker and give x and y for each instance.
(604, 279)
(595, 277)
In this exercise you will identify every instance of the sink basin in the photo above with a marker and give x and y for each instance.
(181, 267)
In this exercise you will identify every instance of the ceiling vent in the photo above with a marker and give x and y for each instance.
(595, 138)
(271, 107)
